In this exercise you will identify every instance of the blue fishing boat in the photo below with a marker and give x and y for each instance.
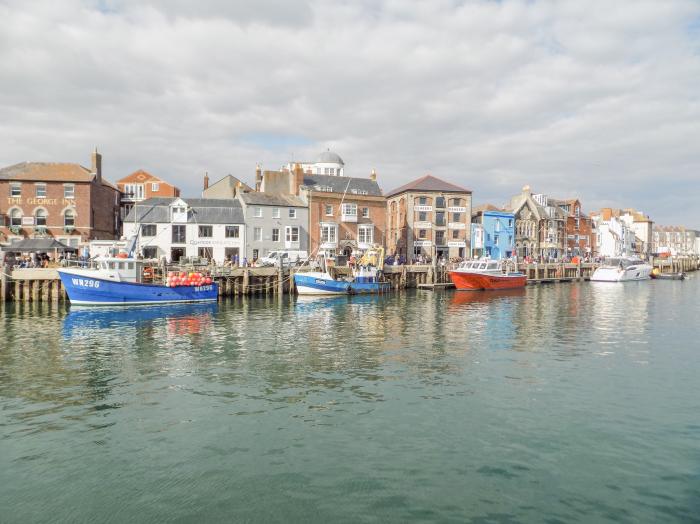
(363, 281)
(124, 281)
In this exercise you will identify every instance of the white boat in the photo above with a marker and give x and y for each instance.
(622, 269)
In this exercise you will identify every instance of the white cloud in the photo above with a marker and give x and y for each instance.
(596, 99)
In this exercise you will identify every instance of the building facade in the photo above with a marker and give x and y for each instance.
(142, 185)
(579, 231)
(493, 234)
(347, 215)
(274, 223)
(540, 226)
(614, 237)
(429, 217)
(675, 240)
(66, 201)
(174, 228)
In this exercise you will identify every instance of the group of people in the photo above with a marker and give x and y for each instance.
(35, 260)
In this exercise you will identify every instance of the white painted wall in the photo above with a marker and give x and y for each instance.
(163, 240)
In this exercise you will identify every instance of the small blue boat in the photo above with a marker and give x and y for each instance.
(120, 282)
(367, 280)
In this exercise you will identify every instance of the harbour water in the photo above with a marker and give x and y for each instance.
(561, 403)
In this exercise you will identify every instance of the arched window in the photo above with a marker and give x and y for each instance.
(40, 217)
(16, 217)
(69, 218)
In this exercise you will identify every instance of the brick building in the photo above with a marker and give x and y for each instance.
(430, 217)
(65, 201)
(579, 232)
(142, 185)
(346, 214)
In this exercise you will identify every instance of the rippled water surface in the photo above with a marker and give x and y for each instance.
(567, 403)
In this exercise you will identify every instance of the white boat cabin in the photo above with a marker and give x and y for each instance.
(124, 269)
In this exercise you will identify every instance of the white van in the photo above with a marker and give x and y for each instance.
(288, 258)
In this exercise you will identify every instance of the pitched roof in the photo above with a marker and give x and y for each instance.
(28, 245)
(267, 199)
(428, 183)
(485, 207)
(203, 211)
(230, 182)
(339, 184)
(140, 175)
(49, 172)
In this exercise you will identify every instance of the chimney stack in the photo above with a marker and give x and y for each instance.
(97, 165)
(206, 180)
(298, 178)
(258, 178)
(373, 175)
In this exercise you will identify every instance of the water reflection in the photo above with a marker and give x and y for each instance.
(181, 318)
(452, 395)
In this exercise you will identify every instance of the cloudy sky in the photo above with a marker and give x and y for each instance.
(597, 99)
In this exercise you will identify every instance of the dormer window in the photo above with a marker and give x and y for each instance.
(179, 214)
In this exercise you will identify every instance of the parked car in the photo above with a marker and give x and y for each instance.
(287, 258)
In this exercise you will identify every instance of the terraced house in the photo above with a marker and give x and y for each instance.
(66, 201)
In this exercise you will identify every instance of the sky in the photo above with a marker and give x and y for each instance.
(598, 100)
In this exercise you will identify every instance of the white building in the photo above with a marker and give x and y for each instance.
(613, 237)
(641, 225)
(676, 240)
(327, 163)
(176, 227)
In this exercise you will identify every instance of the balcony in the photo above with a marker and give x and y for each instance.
(348, 218)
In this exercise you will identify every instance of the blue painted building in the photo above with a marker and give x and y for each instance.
(493, 234)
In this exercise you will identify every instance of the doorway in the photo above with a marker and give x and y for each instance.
(231, 254)
(176, 253)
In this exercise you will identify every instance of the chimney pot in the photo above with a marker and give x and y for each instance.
(206, 180)
(373, 175)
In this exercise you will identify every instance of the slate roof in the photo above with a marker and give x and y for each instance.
(428, 183)
(204, 211)
(338, 184)
(266, 199)
(49, 172)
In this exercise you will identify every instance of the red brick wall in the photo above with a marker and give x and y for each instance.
(317, 214)
(89, 198)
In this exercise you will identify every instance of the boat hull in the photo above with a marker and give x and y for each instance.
(84, 289)
(478, 281)
(614, 274)
(321, 284)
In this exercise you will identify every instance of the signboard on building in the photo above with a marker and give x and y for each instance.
(422, 208)
(456, 244)
(422, 243)
(457, 225)
(27, 221)
(422, 225)
(457, 209)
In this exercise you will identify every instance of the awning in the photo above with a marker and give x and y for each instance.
(37, 245)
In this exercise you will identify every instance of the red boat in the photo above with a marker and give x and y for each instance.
(486, 274)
